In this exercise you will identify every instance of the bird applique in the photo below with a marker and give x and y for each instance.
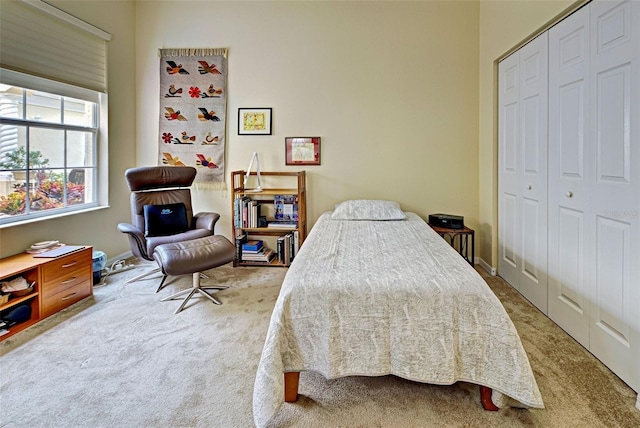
(211, 92)
(207, 115)
(205, 68)
(210, 140)
(173, 92)
(173, 114)
(170, 160)
(186, 139)
(206, 162)
(174, 68)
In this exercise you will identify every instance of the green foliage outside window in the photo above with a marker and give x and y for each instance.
(47, 192)
(17, 159)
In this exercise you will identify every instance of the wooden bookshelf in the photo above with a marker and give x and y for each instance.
(283, 183)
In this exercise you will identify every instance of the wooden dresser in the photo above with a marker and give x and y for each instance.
(59, 282)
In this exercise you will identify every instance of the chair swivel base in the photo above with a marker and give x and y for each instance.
(165, 276)
(142, 275)
(197, 288)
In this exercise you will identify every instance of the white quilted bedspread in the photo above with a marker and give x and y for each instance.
(388, 297)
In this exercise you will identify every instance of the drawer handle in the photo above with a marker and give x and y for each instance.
(68, 280)
(70, 264)
(68, 296)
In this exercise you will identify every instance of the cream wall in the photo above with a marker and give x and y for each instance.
(503, 25)
(402, 94)
(390, 87)
(98, 228)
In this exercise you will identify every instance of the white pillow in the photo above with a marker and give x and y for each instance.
(364, 209)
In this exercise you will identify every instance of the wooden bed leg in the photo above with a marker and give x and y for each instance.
(291, 380)
(485, 399)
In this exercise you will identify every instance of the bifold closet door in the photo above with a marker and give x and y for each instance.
(594, 182)
(571, 222)
(614, 334)
(522, 177)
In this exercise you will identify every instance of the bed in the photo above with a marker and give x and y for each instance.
(375, 291)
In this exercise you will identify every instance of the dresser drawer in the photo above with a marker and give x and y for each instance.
(64, 267)
(66, 297)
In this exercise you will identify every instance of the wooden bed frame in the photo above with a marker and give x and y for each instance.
(292, 380)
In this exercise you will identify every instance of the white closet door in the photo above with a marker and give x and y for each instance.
(615, 127)
(570, 223)
(522, 166)
(509, 169)
(533, 183)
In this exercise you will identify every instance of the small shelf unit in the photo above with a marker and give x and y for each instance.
(266, 196)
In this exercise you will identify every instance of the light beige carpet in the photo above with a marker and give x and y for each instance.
(123, 359)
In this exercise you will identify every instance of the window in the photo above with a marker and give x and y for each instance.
(53, 113)
(48, 147)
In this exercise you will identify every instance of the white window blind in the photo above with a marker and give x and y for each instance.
(41, 40)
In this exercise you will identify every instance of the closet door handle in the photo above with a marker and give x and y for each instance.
(569, 194)
(528, 186)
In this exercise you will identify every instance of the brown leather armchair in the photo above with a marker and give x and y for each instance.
(161, 185)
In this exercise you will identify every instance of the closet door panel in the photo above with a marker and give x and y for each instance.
(613, 121)
(510, 232)
(509, 169)
(568, 305)
(569, 224)
(533, 183)
(612, 315)
(615, 107)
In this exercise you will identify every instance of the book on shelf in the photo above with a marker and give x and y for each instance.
(282, 224)
(286, 207)
(252, 245)
(239, 210)
(240, 239)
(296, 242)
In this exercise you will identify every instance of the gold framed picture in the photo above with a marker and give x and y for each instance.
(254, 121)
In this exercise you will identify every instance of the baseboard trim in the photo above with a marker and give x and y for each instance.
(122, 256)
(484, 265)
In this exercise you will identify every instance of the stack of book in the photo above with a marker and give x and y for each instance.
(246, 212)
(254, 250)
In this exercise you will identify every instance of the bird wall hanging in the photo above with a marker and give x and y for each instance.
(193, 112)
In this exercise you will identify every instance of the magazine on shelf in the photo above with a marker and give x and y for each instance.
(286, 207)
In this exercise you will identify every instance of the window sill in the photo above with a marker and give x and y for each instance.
(49, 217)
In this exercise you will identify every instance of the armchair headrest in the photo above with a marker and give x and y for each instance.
(159, 177)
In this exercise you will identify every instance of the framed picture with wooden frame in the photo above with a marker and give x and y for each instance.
(302, 150)
(254, 121)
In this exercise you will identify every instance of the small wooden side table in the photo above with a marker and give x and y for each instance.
(464, 247)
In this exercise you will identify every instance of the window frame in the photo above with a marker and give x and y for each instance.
(100, 144)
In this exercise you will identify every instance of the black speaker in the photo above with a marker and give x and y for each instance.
(446, 220)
